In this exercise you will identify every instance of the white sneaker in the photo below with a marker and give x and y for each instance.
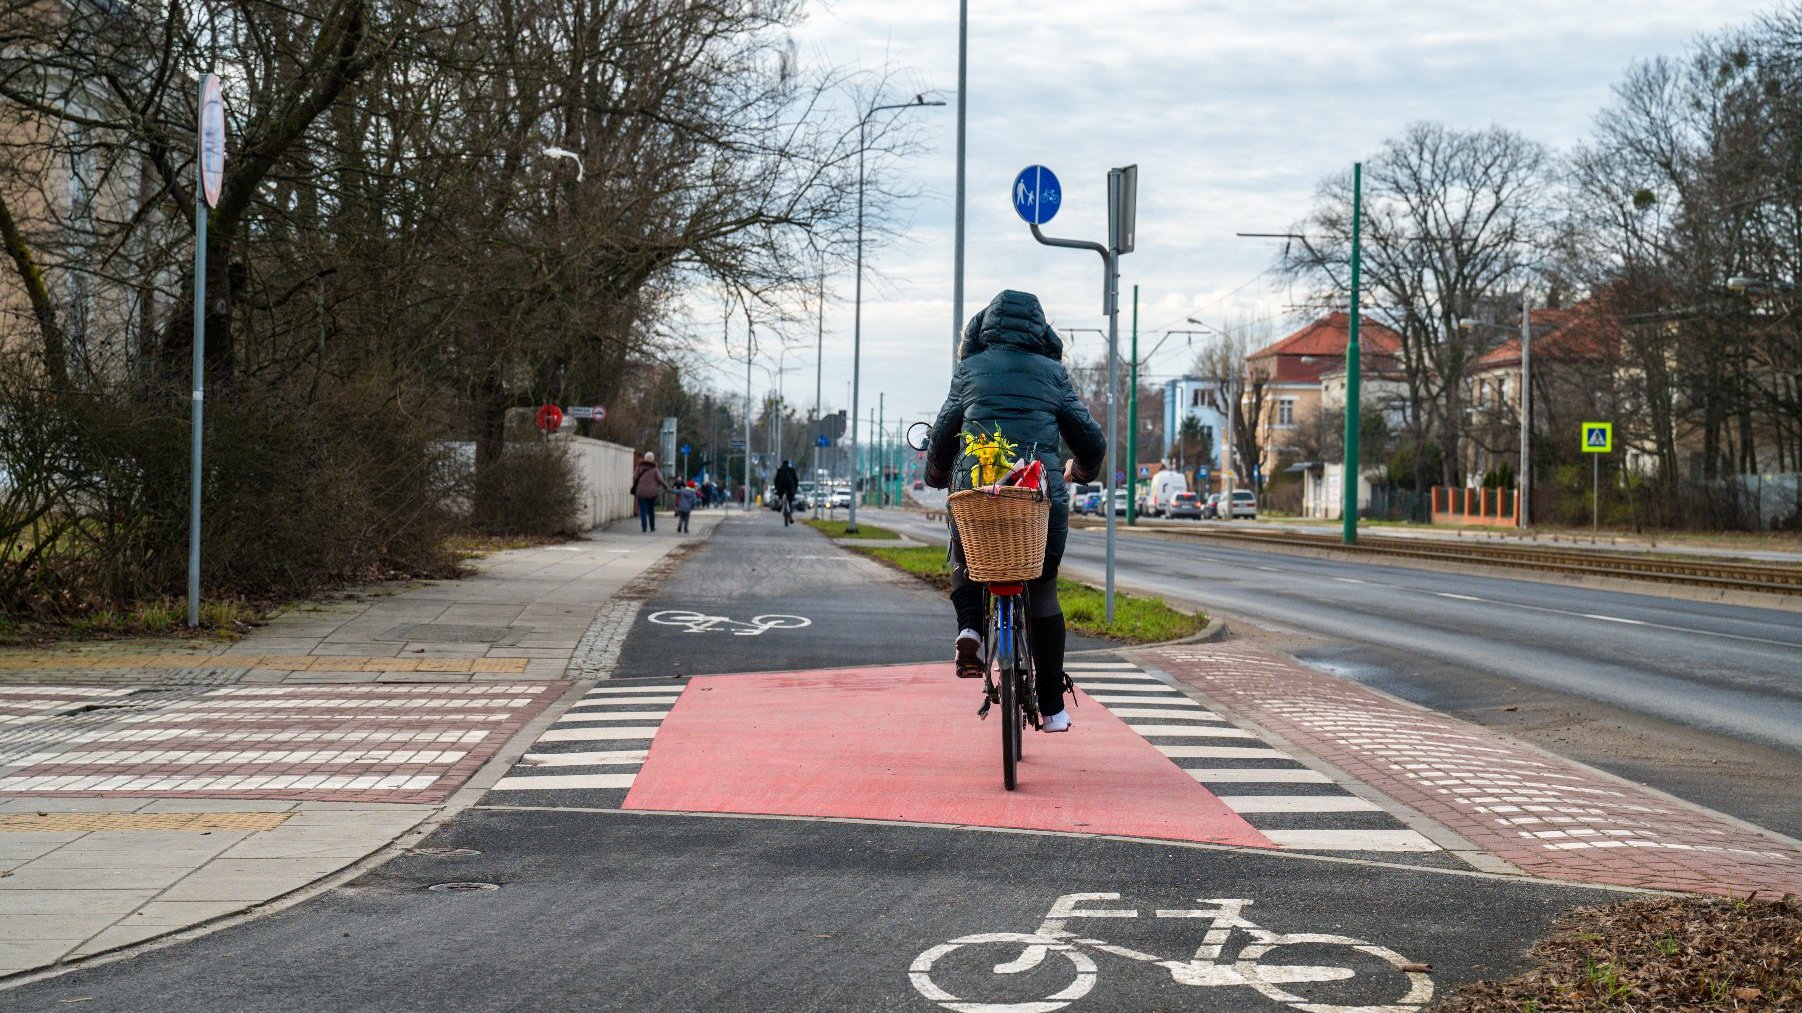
(1059, 722)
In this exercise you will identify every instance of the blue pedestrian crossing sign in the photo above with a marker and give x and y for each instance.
(1598, 437)
(1037, 195)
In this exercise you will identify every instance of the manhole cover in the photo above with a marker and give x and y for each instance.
(463, 887)
(446, 852)
(452, 633)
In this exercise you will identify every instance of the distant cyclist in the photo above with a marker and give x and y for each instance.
(1010, 375)
(787, 484)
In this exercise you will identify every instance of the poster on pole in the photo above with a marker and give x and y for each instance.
(212, 139)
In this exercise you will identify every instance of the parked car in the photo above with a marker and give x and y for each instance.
(1245, 504)
(919, 485)
(1088, 503)
(1210, 507)
(841, 499)
(1185, 504)
(1119, 502)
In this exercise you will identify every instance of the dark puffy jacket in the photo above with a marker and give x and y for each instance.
(1012, 374)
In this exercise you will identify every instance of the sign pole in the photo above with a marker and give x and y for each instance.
(1132, 421)
(1595, 492)
(208, 176)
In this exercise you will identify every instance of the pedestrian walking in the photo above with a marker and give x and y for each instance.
(686, 499)
(647, 483)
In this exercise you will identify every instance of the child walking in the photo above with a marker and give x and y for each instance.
(686, 498)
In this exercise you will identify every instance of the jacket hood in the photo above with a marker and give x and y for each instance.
(1012, 320)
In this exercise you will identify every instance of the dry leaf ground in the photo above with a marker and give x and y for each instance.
(1659, 955)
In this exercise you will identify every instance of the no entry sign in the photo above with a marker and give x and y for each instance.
(549, 418)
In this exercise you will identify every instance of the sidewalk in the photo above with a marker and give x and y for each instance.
(149, 787)
(1540, 813)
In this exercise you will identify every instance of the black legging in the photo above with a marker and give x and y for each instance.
(1043, 612)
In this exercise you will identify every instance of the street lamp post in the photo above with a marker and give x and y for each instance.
(819, 362)
(857, 310)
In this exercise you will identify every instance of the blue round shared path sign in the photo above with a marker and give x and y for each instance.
(685, 448)
(1037, 195)
(823, 442)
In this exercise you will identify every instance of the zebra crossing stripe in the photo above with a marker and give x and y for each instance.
(577, 716)
(1257, 775)
(593, 734)
(563, 782)
(1280, 797)
(593, 759)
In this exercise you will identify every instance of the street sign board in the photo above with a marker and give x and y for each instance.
(1144, 471)
(1201, 472)
(1123, 212)
(1037, 195)
(737, 444)
(586, 412)
(212, 139)
(549, 417)
(1598, 437)
(686, 449)
(1119, 476)
(822, 442)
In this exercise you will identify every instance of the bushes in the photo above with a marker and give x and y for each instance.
(307, 483)
(532, 490)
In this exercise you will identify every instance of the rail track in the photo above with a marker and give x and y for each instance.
(1700, 571)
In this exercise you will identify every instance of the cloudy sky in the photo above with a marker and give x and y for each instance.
(1233, 111)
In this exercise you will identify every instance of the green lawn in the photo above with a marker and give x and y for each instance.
(1137, 619)
(836, 529)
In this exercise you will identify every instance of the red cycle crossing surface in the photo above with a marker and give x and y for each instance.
(903, 743)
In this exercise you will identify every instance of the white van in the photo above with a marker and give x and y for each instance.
(1160, 489)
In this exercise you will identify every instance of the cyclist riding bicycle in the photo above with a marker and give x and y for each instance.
(787, 483)
(1011, 375)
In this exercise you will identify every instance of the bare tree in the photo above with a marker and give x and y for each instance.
(1452, 219)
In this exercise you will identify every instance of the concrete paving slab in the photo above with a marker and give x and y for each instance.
(70, 902)
(251, 880)
(40, 876)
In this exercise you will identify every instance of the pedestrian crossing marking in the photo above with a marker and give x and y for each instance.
(564, 782)
(591, 722)
(1279, 796)
(592, 734)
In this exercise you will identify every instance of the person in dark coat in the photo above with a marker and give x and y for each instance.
(787, 483)
(1011, 375)
(647, 483)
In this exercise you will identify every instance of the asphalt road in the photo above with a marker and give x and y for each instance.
(618, 911)
(1700, 699)
(856, 611)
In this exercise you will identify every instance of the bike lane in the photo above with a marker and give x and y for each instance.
(586, 900)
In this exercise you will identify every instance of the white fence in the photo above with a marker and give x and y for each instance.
(606, 473)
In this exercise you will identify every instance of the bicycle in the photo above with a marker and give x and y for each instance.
(1008, 680)
(1210, 967)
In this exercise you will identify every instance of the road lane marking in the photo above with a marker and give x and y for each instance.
(1161, 701)
(595, 734)
(1222, 752)
(1350, 580)
(575, 716)
(601, 758)
(1159, 712)
(563, 781)
(1193, 731)
(1613, 619)
(1258, 775)
(1460, 597)
(1299, 804)
(1351, 840)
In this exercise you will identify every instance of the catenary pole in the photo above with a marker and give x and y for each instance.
(1524, 480)
(1348, 479)
(819, 365)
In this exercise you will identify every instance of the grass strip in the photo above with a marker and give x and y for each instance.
(836, 529)
(1658, 954)
(1137, 619)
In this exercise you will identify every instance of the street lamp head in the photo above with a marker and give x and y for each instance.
(920, 100)
(555, 152)
(1466, 324)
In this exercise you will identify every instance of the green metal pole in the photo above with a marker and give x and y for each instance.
(1348, 509)
(1132, 421)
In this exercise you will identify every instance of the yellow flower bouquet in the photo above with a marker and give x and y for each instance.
(993, 454)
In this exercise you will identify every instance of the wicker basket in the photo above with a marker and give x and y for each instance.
(1002, 532)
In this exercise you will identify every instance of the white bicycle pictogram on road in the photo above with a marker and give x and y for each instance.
(1257, 965)
(700, 622)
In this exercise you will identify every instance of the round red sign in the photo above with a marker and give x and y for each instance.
(550, 417)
